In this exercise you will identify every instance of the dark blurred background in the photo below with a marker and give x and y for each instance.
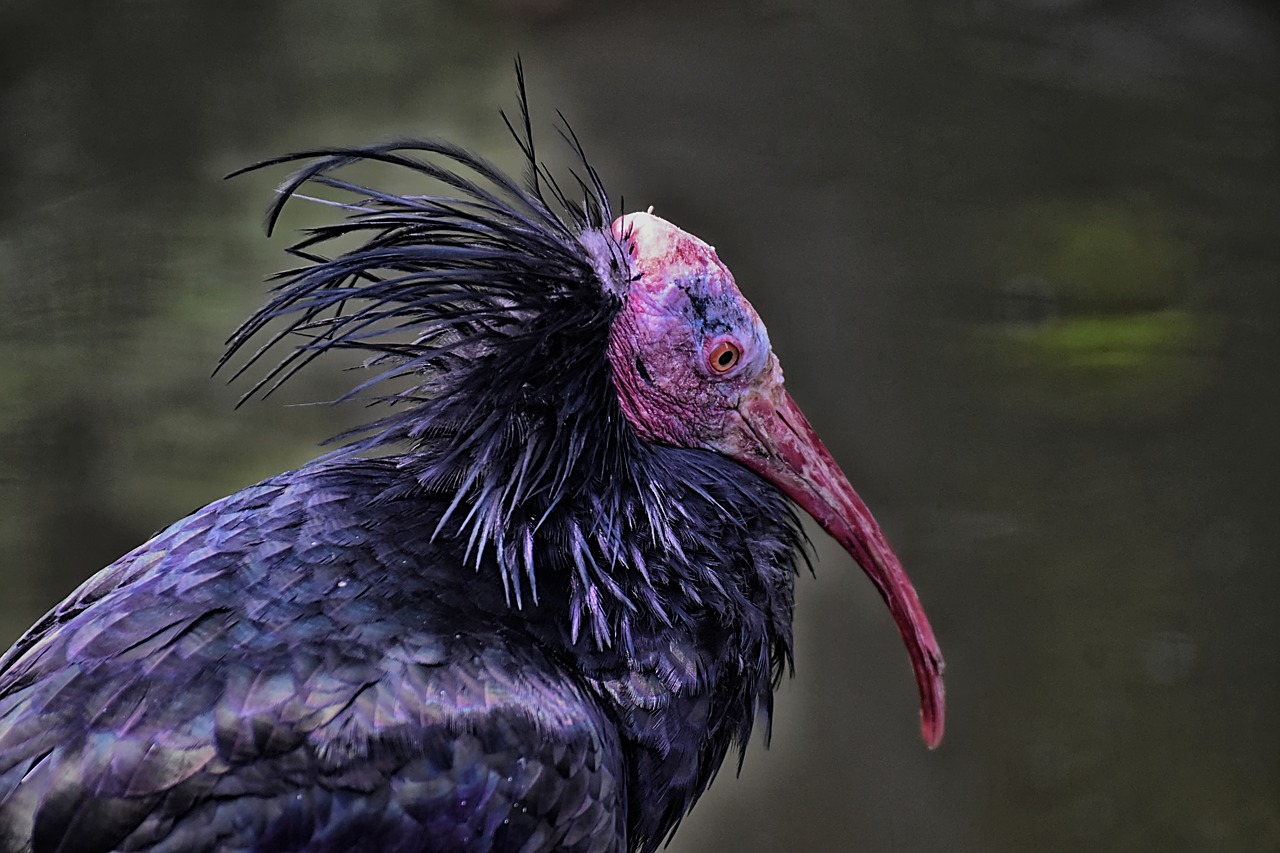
(1020, 259)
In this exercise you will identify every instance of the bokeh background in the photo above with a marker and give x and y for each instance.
(1020, 259)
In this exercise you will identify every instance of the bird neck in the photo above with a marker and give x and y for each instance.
(639, 537)
(699, 610)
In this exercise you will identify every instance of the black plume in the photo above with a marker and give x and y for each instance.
(493, 305)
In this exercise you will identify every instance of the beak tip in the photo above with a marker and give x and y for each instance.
(931, 730)
(933, 709)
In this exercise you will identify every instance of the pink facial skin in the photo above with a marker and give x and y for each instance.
(681, 303)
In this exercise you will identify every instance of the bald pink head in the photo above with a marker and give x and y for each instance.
(693, 368)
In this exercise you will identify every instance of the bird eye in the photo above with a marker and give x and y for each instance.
(724, 356)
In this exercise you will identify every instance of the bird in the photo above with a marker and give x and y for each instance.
(532, 605)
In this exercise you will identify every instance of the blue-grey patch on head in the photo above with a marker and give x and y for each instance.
(712, 311)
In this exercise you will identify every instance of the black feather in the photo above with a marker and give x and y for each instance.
(509, 297)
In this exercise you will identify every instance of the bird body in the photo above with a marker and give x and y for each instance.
(530, 609)
(267, 671)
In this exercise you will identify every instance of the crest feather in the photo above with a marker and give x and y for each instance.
(484, 312)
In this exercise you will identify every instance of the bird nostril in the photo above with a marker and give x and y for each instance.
(782, 416)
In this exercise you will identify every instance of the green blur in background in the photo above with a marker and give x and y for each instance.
(1019, 258)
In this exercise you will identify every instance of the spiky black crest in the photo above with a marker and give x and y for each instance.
(495, 303)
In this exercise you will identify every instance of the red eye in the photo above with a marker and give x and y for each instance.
(724, 356)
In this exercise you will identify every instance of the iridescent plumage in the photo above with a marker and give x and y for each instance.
(523, 610)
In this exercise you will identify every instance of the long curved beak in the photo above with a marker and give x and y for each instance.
(778, 443)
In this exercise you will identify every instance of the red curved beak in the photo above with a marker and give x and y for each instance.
(779, 444)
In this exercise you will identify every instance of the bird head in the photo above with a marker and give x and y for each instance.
(693, 368)
(529, 326)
